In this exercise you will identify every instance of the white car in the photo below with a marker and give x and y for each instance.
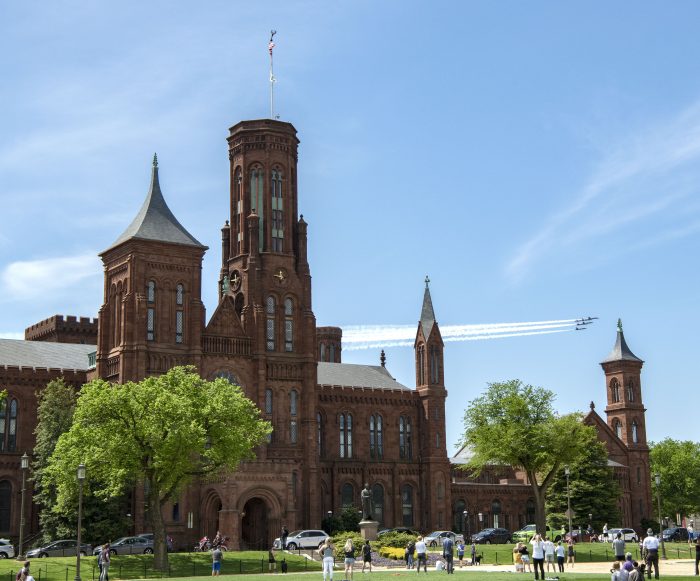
(7, 549)
(627, 535)
(437, 537)
(311, 539)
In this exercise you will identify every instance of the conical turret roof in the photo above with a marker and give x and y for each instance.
(155, 221)
(621, 352)
(427, 314)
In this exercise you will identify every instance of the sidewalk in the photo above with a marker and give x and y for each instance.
(669, 567)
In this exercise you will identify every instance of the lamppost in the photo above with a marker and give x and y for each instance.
(465, 526)
(568, 498)
(590, 524)
(24, 463)
(481, 520)
(657, 479)
(330, 515)
(81, 480)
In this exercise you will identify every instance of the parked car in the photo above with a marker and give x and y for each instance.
(491, 536)
(63, 548)
(7, 549)
(675, 534)
(627, 535)
(402, 530)
(525, 534)
(311, 539)
(437, 537)
(129, 546)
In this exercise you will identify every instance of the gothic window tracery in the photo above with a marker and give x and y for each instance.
(288, 325)
(277, 210)
(257, 201)
(345, 422)
(151, 311)
(270, 308)
(615, 390)
(405, 443)
(630, 390)
(635, 432)
(8, 425)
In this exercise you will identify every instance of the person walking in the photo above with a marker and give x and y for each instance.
(366, 556)
(651, 546)
(283, 537)
(421, 551)
(571, 553)
(216, 557)
(691, 534)
(549, 555)
(525, 557)
(460, 553)
(605, 533)
(538, 554)
(410, 554)
(105, 556)
(271, 561)
(473, 553)
(560, 556)
(326, 552)
(619, 547)
(448, 547)
(349, 551)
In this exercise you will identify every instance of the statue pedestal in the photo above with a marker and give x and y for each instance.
(368, 529)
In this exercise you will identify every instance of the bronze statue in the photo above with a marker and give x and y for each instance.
(366, 496)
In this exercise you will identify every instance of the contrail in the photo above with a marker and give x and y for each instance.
(373, 336)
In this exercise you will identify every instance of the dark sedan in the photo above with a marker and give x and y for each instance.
(675, 534)
(491, 536)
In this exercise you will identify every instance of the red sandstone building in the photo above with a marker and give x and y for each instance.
(336, 425)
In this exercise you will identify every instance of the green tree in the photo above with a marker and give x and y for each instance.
(678, 464)
(515, 425)
(163, 431)
(593, 488)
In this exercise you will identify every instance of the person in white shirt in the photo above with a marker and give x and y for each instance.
(421, 552)
(561, 553)
(549, 554)
(651, 550)
(538, 554)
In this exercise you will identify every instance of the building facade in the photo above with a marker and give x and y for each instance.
(336, 426)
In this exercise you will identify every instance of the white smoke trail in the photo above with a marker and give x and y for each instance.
(374, 336)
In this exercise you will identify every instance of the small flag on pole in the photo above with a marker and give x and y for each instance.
(270, 46)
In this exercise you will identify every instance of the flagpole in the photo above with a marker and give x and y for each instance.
(270, 46)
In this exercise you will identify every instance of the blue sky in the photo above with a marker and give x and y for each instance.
(539, 160)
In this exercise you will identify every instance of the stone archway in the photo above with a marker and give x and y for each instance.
(211, 515)
(254, 525)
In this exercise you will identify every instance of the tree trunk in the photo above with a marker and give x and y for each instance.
(160, 546)
(540, 517)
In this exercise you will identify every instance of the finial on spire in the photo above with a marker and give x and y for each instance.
(382, 358)
(155, 160)
(427, 281)
(592, 406)
(619, 325)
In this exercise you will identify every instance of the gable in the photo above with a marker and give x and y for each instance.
(616, 447)
(225, 322)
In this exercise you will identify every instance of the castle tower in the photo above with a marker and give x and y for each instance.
(430, 384)
(152, 316)
(625, 416)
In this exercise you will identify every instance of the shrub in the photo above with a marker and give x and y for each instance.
(394, 539)
(392, 553)
(341, 537)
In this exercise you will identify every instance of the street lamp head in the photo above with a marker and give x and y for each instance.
(24, 461)
(590, 516)
(466, 513)
(566, 470)
(81, 472)
(481, 516)
(657, 478)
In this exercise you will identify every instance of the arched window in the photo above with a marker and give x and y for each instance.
(239, 218)
(277, 211)
(268, 401)
(530, 510)
(614, 390)
(151, 311)
(407, 505)
(378, 501)
(176, 511)
(496, 512)
(228, 376)
(458, 517)
(323, 351)
(3, 425)
(288, 325)
(376, 437)
(345, 435)
(630, 390)
(440, 488)
(405, 444)
(179, 313)
(331, 358)
(635, 432)
(617, 426)
(421, 365)
(347, 495)
(434, 365)
(319, 433)
(257, 201)
(270, 308)
(8, 425)
(5, 506)
(293, 405)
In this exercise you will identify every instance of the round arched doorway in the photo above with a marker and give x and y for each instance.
(254, 531)
(210, 515)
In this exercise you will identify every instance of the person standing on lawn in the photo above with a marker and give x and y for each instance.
(538, 555)
(549, 554)
(105, 556)
(560, 556)
(271, 561)
(421, 551)
(349, 551)
(448, 546)
(571, 553)
(460, 553)
(619, 547)
(326, 552)
(216, 556)
(366, 556)
(651, 546)
(283, 537)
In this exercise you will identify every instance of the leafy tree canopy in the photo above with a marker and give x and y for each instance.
(678, 464)
(164, 431)
(515, 424)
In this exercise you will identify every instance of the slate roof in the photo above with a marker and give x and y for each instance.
(155, 221)
(621, 352)
(353, 375)
(427, 314)
(462, 456)
(43, 354)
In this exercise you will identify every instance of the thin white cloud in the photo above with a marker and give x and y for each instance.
(648, 176)
(29, 279)
(11, 335)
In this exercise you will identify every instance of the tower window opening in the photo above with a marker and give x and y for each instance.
(257, 202)
(270, 307)
(179, 326)
(288, 325)
(630, 390)
(293, 405)
(615, 390)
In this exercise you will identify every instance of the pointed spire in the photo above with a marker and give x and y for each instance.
(155, 221)
(427, 314)
(382, 358)
(621, 352)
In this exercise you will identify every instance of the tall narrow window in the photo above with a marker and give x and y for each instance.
(238, 217)
(347, 495)
(12, 427)
(434, 365)
(180, 295)
(323, 351)
(319, 433)
(345, 435)
(405, 444)
(380, 437)
(288, 325)
(151, 311)
(372, 437)
(617, 426)
(277, 211)
(614, 390)
(257, 202)
(5, 505)
(179, 326)
(496, 512)
(176, 511)
(331, 358)
(407, 504)
(3, 424)
(293, 405)
(268, 401)
(635, 432)
(630, 390)
(421, 365)
(270, 307)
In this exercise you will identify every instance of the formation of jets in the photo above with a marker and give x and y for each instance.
(583, 321)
